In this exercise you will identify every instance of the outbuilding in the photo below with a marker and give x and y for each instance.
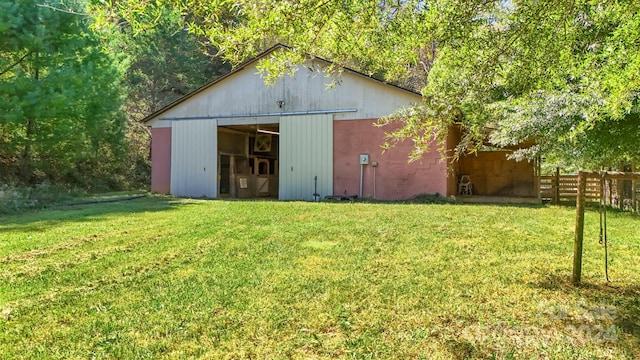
(305, 137)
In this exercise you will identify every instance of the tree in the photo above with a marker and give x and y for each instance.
(164, 61)
(60, 103)
(487, 63)
(586, 113)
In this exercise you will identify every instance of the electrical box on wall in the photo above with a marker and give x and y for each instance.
(364, 159)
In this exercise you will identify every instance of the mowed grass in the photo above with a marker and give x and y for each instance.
(160, 277)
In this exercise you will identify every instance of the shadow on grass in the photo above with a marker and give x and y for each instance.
(621, 303)
(84, 211)
(437, 199)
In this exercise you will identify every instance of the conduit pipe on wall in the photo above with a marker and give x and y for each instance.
(364, 160)
(361, 174)
(375, 165)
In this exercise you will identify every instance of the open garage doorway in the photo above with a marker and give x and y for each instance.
(248, 161)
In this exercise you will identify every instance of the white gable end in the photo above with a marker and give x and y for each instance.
(308, 89)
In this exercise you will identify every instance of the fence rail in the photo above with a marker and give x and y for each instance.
(620, 193)
(565, 187)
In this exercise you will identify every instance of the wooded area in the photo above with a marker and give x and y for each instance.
(74, 85)
(77, 76)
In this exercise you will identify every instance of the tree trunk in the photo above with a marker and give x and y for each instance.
(579, 233)
(26, 161)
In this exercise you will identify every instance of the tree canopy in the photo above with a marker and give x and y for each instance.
(59, 99)
(564, 73)
(75, 79)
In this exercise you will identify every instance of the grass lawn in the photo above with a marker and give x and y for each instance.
(159, 277)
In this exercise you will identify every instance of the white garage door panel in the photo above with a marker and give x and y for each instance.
(306, 151)
(194, 149)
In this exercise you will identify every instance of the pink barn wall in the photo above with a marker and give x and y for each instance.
(161, 160)
(395, 178)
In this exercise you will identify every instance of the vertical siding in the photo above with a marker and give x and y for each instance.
(306, 151)
(194, 157)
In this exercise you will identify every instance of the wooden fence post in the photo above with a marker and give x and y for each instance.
(556, 193)
(620, 190)
(634, 196)
(577, 245)
(538, 171)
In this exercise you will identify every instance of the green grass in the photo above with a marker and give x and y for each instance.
(159, 277)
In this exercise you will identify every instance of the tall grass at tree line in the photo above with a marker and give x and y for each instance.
(14, 198)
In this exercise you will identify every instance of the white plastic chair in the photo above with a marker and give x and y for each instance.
(464, 185)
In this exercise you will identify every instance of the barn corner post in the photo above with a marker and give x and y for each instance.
(579, 235)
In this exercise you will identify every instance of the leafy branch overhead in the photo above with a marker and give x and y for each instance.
(500, 64)
(559, 78)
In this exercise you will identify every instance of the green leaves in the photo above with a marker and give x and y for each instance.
(60, 100)
(478, 57)
(165, 62)
(560, 73)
